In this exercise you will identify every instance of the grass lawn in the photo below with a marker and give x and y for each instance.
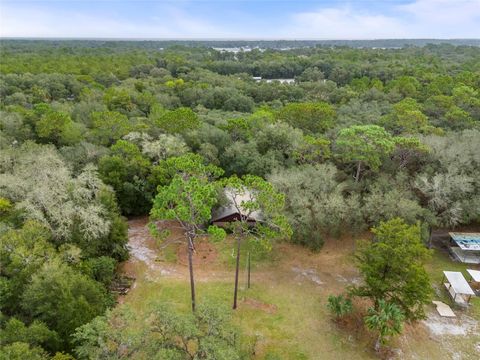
(297, 327)
(285, 310)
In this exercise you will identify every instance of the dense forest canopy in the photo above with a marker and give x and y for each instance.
(366, 132)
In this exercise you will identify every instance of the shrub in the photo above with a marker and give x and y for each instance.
(339, 306)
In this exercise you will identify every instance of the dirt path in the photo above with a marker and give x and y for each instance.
(145, 259)
(323, 269)
(143, 252)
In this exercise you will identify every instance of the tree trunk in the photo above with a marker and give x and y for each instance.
(429, 237)
(190, 268)
(359, 168)
(248, 277)
(237, 268)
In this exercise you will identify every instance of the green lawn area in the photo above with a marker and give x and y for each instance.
(286, 312)
(299, 328)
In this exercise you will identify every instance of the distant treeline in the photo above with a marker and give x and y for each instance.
(263, 44)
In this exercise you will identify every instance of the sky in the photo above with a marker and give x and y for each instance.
(247, 19)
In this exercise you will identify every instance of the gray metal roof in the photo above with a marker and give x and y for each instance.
(230, 209)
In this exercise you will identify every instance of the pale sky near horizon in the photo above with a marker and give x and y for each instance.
(247, 19)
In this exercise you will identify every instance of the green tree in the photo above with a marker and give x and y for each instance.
(312, 150)
(126, 170)
(239, 102)
(458, 119)
(406, 86)
(164, 147)
(238, 128)
(392, 266)
(449, 186)
(5, 207)
(447, 193)
(35, 334)
(407, 118)
(63, 299)
(177, 121)
(386, 319)
(206, 334)
(364, 145)
(242, 158)
(408, 150)
(22, 253)
(118, 100)
(279, 141)
(22, 351)
(188, 199)
(467, 98)
(102, 269)
(58, 128)
(109, 126)
(310, 117)
(311, 74)
(316, 203)
(260, 218)
(388, 198)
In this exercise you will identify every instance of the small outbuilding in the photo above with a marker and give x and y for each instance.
(233, 210)
(466, 247)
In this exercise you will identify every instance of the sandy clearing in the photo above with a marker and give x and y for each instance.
(460, 326)
(328, 272)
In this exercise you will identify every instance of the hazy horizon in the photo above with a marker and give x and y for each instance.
(221, 20)
(222, 39)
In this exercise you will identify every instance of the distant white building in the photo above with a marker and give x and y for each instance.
(281, 81)
(236, 50)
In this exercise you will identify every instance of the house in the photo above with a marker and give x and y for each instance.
(466, 247)
(233, 209)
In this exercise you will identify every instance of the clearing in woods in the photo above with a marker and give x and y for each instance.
(285, 309)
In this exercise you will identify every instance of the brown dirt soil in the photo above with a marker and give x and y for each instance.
(268, 308)
(145, 252)
(328, 266)
(147, 258)
(331, 268)
(205, 254)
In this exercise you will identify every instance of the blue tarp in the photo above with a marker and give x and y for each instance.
(466, 241)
